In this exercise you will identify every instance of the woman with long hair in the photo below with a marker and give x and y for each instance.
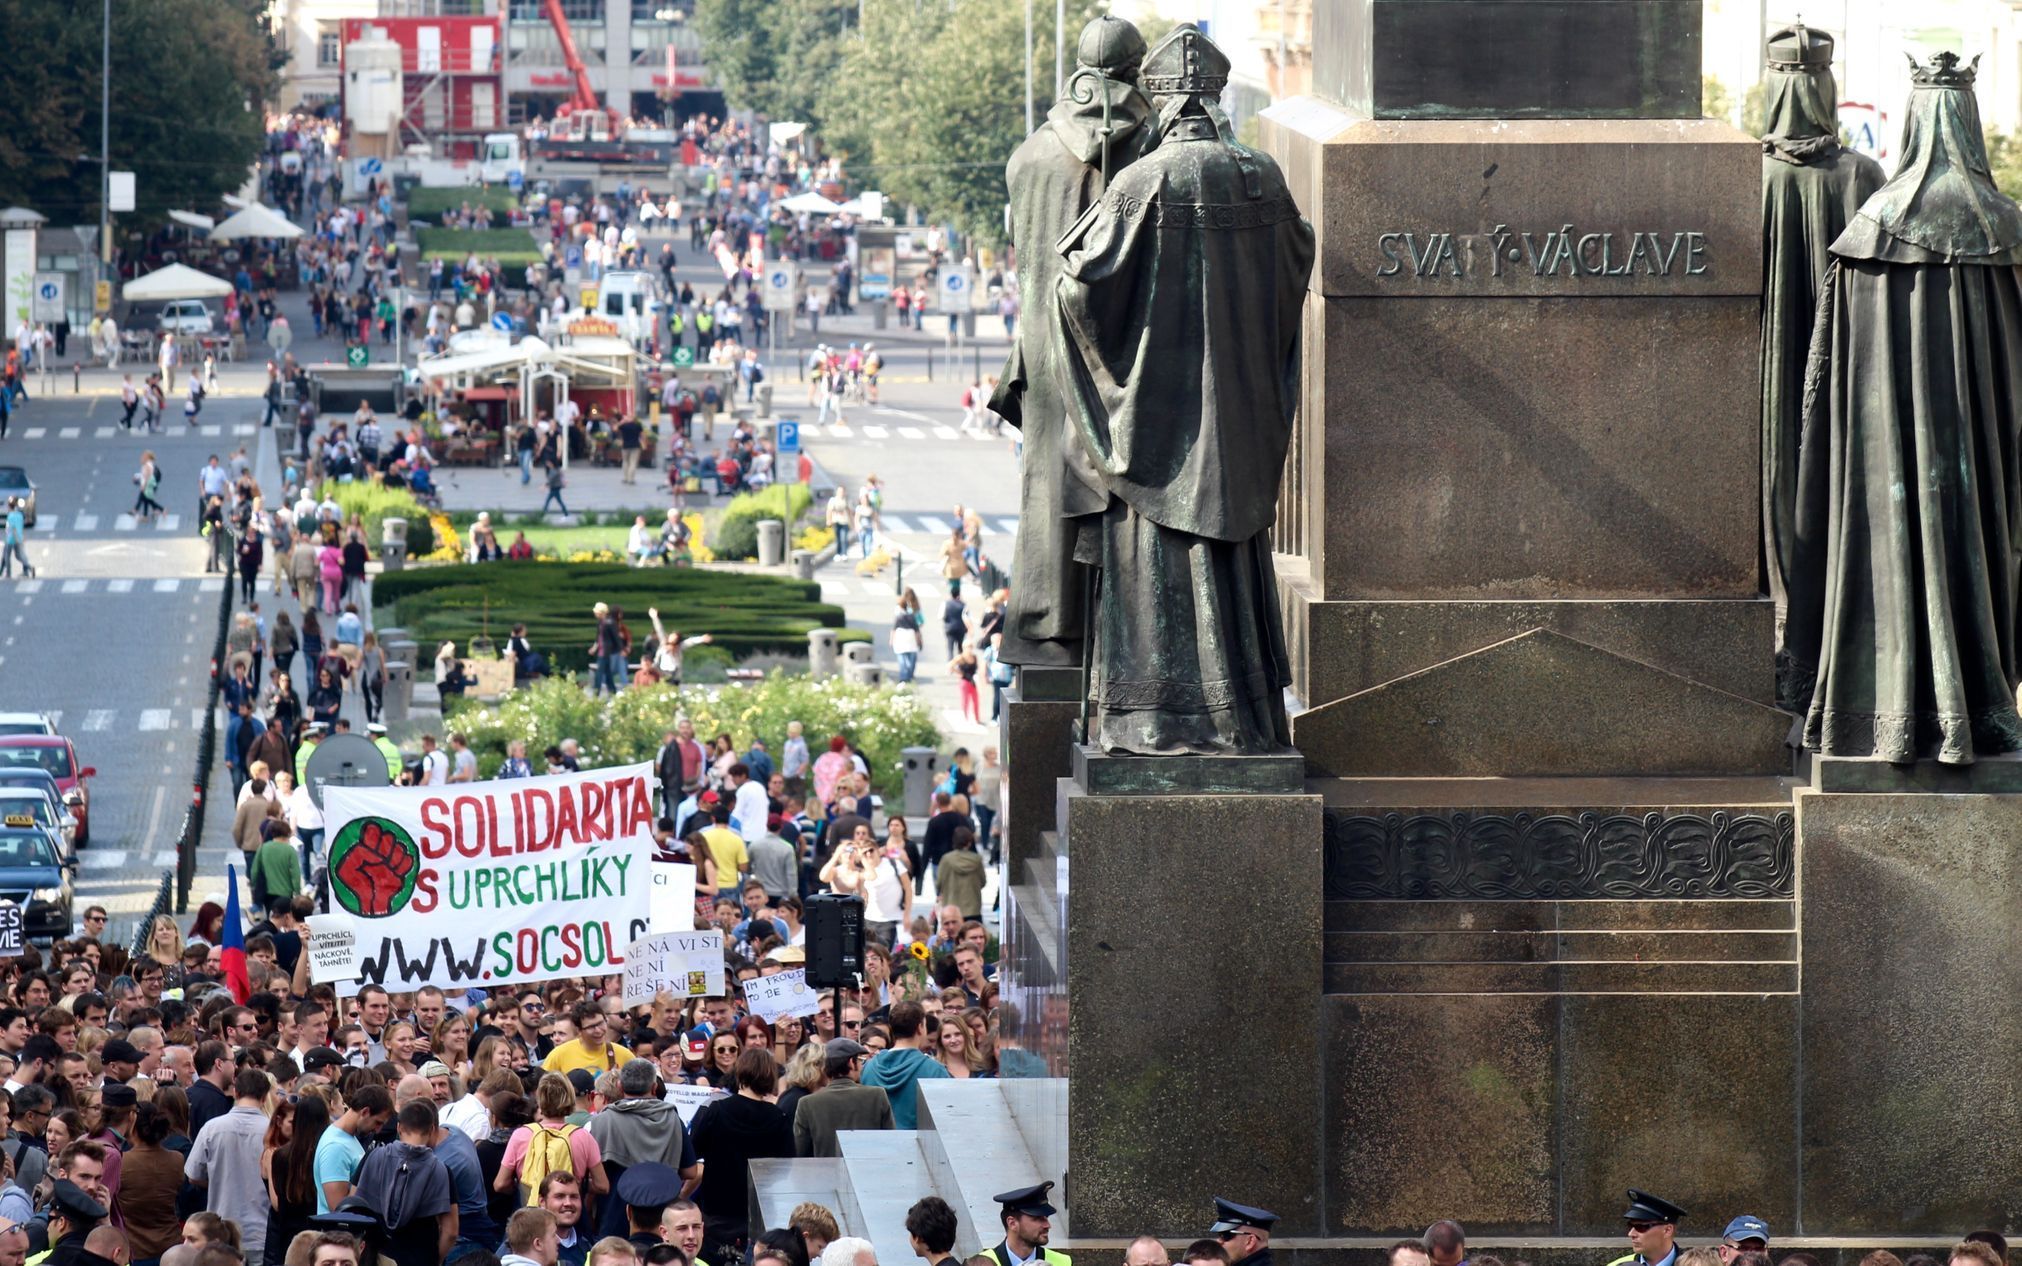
(958, 1054)
(289, 1166)
(554, 1100)
(803, 1076)
(208, 929)
(149, 1177)
(724, 1049)
(201, 1230)
(173, 1102)
(400, 1043)
(788, 1034)
(450, 1043)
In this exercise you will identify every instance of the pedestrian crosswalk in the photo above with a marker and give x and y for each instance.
(112, 584)
(932, 525)
(876, 432)
(134, 720)
(108, 432)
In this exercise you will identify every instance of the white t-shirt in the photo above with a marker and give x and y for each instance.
(884, 902)
(749, 811)
(434, 769)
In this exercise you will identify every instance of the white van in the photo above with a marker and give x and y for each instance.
(502, 158)
(184, 316)
(630, 300)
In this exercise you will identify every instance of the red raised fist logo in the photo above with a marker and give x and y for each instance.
(373, 866)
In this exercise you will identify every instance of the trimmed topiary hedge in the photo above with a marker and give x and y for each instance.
(746, 614)
(737, 531)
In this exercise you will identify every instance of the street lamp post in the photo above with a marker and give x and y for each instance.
(105, 140)
(1028, 67)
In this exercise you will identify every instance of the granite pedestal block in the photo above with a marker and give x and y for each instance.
(1912, 1021)
(1162, 933)
(1037, 735)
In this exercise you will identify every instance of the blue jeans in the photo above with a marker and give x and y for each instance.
(526, 466)
(842, 539)
(554, 498)
(908, 660)
(611, 673)
(864, 543)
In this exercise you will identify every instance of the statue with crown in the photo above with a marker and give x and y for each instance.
(1908, 572)
(1178, 308)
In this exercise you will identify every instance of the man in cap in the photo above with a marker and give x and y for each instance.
(121, 1060)
(1653, 1230)
(312, 737)
(841, 1104)
(1095, 129)
(1245, 1233)
(73, 1215)
(1027, 1216)
(646, 1190)
(1746, 1234)
(376, 731)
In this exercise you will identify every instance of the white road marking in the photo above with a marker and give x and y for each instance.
(98, 719)
(197, 717)
(939, 527)
(211, 584)
(212, 431)
(155, 719)
(893, 523)
(247, 430)
(911, 433)
(87, 523)
(946, 433)
(1008, 527)
(167, 584)
(76, 586)
(875, 432)
(839, 431)
(103, 432)
(102, 858)
(168, 523)
(28, 586)
(119, 586)
(35, 432)
(70, 433)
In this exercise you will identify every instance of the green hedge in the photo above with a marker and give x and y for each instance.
(881, 721)
(746, 614)
(376, 503)
(737, 531)
(513, 248)
(430, 204)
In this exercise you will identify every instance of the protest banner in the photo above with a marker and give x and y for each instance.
(333, 947)
(771, 998)
(685, 964)
(491, 883)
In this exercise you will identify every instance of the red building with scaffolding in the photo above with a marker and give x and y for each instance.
(452, 78)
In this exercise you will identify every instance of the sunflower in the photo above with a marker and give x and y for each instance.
(918, 949)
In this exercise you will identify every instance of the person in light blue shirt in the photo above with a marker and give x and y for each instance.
(17, 539)
(350, 628)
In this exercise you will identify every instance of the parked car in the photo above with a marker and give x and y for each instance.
(57, 757)
(48, 812)
(14, 482)
(184, 316)
(26, 723)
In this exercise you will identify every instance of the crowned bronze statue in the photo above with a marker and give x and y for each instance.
(1909, 497)
(1179, 304)
(1811, 187)
(1097, 128)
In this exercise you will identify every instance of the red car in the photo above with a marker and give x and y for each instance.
(58, 756)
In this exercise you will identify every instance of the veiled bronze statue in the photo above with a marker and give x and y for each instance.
(1909, 498)
(1098, 127)
(1179, 305)
(1811, 187)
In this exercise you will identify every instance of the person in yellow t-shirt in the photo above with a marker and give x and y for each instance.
(591, 1049)
(726, 849)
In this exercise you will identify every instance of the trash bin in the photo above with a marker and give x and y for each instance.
(393, 544)
(399, 689)
(771, 542)
(865, 674)
(858, 653)
(403, 651)
(822, 660)
(880, 313)
(765, 400)
(803, 564)
(921, 765)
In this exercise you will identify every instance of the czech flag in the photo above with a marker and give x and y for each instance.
(234, 943)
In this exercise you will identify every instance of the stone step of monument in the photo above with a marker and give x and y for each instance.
(777, 1186)
(1756, 979)
(1032, 918)
(1560, 947)
(1716, 915)
(980, 1137)
(888, 1174)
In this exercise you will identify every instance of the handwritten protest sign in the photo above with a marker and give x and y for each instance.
(688, 1100)
(491, 883)
(685, 964)
(774, 997)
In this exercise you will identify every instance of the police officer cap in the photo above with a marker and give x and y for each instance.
(649, 1185)
(1644, 1207)
(75, 1203)
(118, 1095)
(375, 727)
(1110, 44)
(1027, 1200)
(1230, 1216)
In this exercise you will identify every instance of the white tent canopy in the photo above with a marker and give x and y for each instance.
(177, 281)
(193, 220)
(255, 221)
(811, 202)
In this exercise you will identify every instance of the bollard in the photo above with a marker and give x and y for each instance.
(393, 544)
(976, 363)
(858, 653)
(771, 542)
(920, 763)
(864, 675)
(822, 660)
(930, 362)
(76, 378)
(803, 564)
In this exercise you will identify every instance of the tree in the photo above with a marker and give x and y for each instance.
(774, 57)
(189, 82)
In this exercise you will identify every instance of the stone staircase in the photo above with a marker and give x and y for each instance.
(976, 1138)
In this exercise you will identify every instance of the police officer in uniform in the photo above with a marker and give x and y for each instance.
(1653, 1231)
(1027, 1215)
(1244, 1232)
(377, 732)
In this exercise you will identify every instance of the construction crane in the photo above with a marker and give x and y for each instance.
(584, 131)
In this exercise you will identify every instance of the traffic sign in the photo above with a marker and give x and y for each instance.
(357, 355)
(48, 304)
(370, 167)
(955, 284)
(102, 299)
(780, 281)
(684, 356)
(589, 298)
(502, 321)
(788, 437)
(515, 180)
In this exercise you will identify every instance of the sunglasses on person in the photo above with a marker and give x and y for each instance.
(1640, 1227)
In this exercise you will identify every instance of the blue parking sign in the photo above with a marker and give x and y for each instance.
(502, 321)
(788, 437)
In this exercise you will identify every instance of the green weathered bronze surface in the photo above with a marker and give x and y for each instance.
(1811, 188)
(1909, 502)
(1101, 774)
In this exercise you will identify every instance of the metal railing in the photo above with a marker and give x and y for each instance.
(162, 900)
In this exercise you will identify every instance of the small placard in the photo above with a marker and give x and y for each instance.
(773, 998)
(333, 947)
(684, 964)
(13, 932)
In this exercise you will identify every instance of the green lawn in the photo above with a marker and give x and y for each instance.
(429, 204)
